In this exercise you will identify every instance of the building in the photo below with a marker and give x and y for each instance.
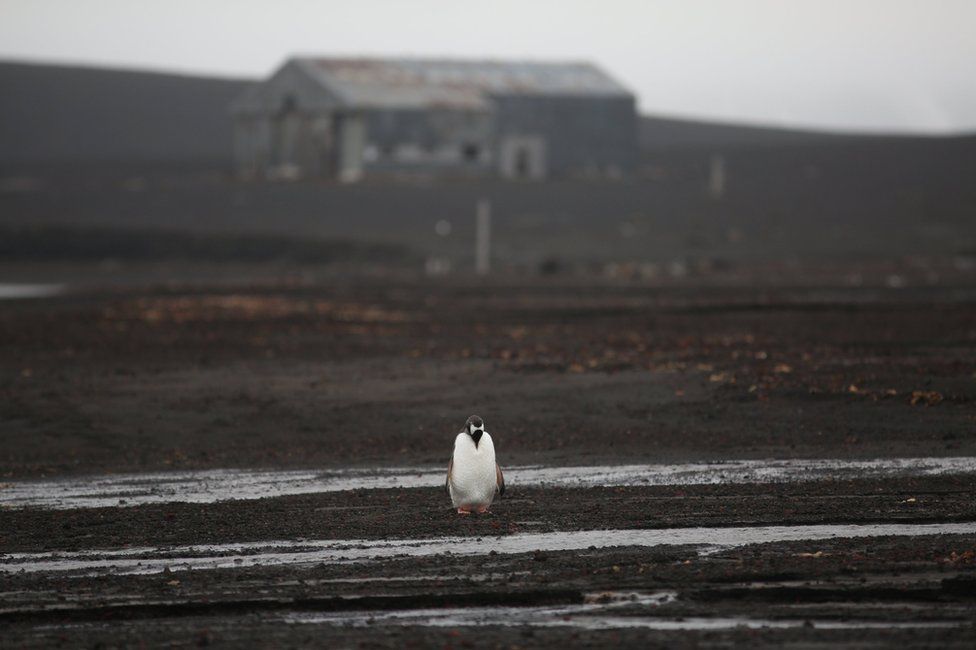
(346, 118)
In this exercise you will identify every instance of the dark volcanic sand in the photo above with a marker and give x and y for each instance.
(368, 375)
(325, 376)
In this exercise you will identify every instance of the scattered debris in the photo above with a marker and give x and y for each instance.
(926, 397)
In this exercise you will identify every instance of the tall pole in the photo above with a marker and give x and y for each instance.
(482, 238)
(716, 176)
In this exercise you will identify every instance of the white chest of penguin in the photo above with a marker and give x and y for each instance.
(473, 480)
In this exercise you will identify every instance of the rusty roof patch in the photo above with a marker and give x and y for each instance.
(422, 83)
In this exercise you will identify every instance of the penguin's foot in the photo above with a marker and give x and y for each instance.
(464, 511)
(482, 510)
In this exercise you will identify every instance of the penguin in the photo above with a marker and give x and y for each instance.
(473, 475)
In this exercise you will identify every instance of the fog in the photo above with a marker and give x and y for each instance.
(867, 65)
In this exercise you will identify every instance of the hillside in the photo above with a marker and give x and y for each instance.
(665, 134)
(61, 114)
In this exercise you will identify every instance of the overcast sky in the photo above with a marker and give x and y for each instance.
(882, 65)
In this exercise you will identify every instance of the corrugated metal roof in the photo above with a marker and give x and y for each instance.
(424, 83)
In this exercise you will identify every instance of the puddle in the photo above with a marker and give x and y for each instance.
(222, 485)
(599, 611)
(507, 616)
(589, 618)
(149, 560)
(10, 291)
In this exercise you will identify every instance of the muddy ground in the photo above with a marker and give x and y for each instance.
(347, 375)
(366, 373)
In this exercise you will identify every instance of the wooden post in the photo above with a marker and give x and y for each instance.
(716, 177)
(482, 238)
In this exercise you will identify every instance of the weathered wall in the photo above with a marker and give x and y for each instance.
(583, 135)
(429, 140)
(252, 144)
(290, 84)
(283, 125)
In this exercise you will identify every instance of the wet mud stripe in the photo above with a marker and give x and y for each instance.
(126, 611)
(535, 608)
(707, 541)
(596, 621)
(213, 486)
(22, 291)
(952, 588)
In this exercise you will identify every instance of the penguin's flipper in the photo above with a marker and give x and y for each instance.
(450, 471)
(499, 480)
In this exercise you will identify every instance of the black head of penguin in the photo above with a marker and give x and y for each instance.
(476, 436)
(475, 427)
